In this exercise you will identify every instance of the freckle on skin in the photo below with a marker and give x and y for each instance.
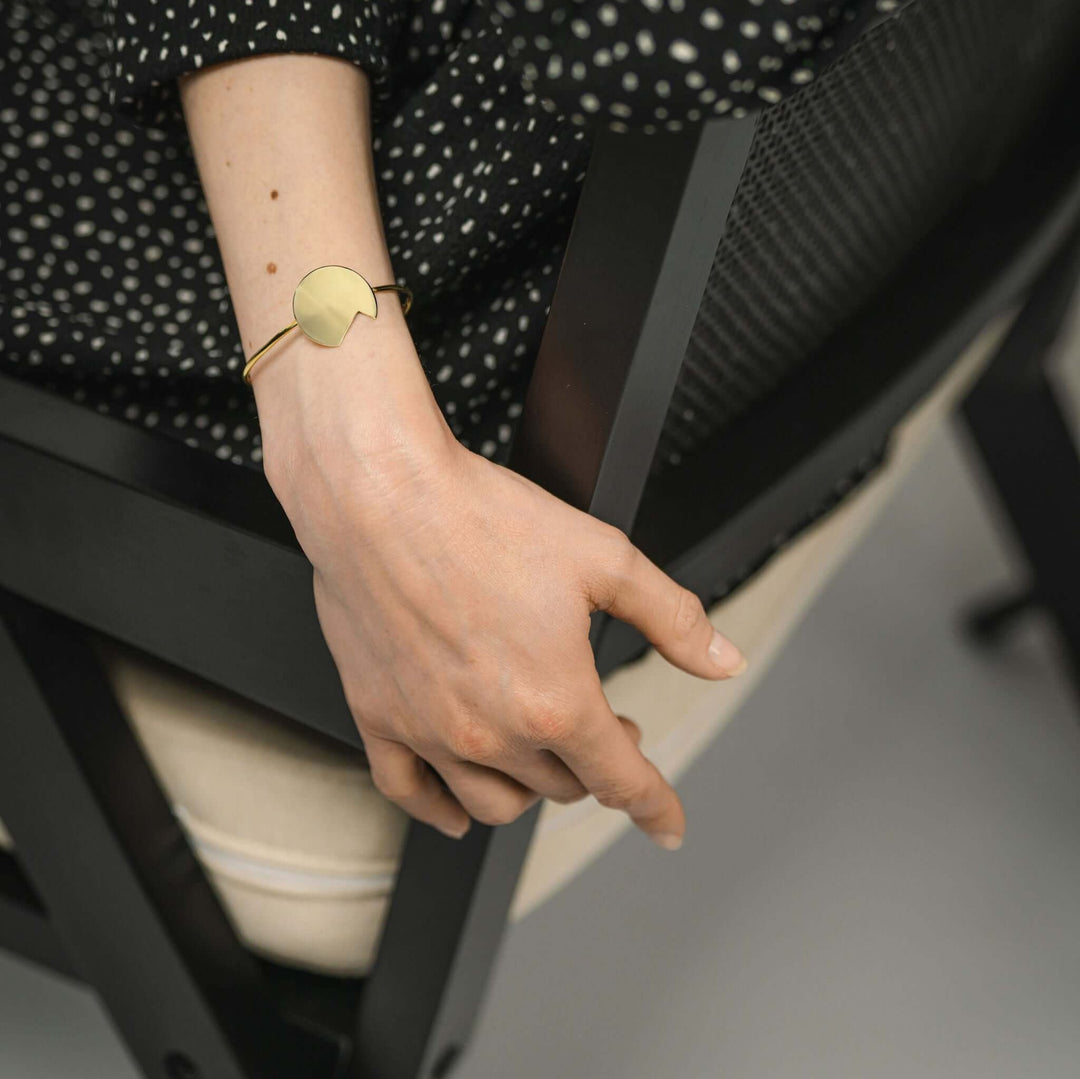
(271, 267)
(273, 194)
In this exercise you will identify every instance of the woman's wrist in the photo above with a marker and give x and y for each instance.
(363, 409)
(283, 145)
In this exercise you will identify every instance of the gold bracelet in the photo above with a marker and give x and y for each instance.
(324, 305)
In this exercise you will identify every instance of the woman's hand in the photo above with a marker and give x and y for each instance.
(455, 597)
(454, 594)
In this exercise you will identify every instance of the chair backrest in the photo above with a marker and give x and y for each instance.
(846, 178)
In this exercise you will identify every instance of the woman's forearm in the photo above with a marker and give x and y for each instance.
(283, 147)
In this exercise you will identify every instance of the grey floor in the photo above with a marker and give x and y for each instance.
(882, 877)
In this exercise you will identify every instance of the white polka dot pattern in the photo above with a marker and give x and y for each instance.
(113, 291)
(720, 59)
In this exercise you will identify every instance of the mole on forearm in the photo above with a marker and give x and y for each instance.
(274, 194)
(271, 267)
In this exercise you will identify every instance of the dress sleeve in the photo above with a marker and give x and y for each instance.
(152, 42)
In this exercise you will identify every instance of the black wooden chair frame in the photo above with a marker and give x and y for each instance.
(107, 527)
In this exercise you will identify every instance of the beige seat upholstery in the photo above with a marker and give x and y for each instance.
(302, 849)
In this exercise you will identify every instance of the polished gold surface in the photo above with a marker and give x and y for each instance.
(328, 299)
(324, 305)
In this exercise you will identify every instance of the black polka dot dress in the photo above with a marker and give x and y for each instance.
(112, 290)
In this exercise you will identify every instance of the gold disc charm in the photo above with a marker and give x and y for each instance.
(328, 299)
(324, 305)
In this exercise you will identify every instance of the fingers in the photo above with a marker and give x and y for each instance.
(603, 753)
(406, 780)
(540, 774)
(541, 771)
(633, 588)
(476, 791)
(483, 793)
(489, 796)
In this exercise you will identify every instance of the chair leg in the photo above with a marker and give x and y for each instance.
(442, 935)
(1023, 438)
(123, 889)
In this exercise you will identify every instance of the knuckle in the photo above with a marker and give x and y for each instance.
(689, 613)
(624, 556)
(471, 741)
(376, 729)
(548, 726)
(372, 717)
(568, 795)
(501, 811)
(616, 795)
(614, 566)
(399, 789)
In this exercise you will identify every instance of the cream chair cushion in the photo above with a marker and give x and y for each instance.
(301, 847)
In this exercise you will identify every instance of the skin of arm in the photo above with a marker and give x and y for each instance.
(454, 594)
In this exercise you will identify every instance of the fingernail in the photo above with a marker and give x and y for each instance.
(726, 656)
(454, 833)
(668, 840)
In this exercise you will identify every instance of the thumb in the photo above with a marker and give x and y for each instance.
(634, 589)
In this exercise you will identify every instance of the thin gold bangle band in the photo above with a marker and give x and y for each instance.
(324, 305)
(266, 348)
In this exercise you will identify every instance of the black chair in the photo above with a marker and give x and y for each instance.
(110, 528)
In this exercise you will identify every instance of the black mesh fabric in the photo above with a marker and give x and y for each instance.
(843, 181)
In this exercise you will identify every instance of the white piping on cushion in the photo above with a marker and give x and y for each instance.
(256, 873)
